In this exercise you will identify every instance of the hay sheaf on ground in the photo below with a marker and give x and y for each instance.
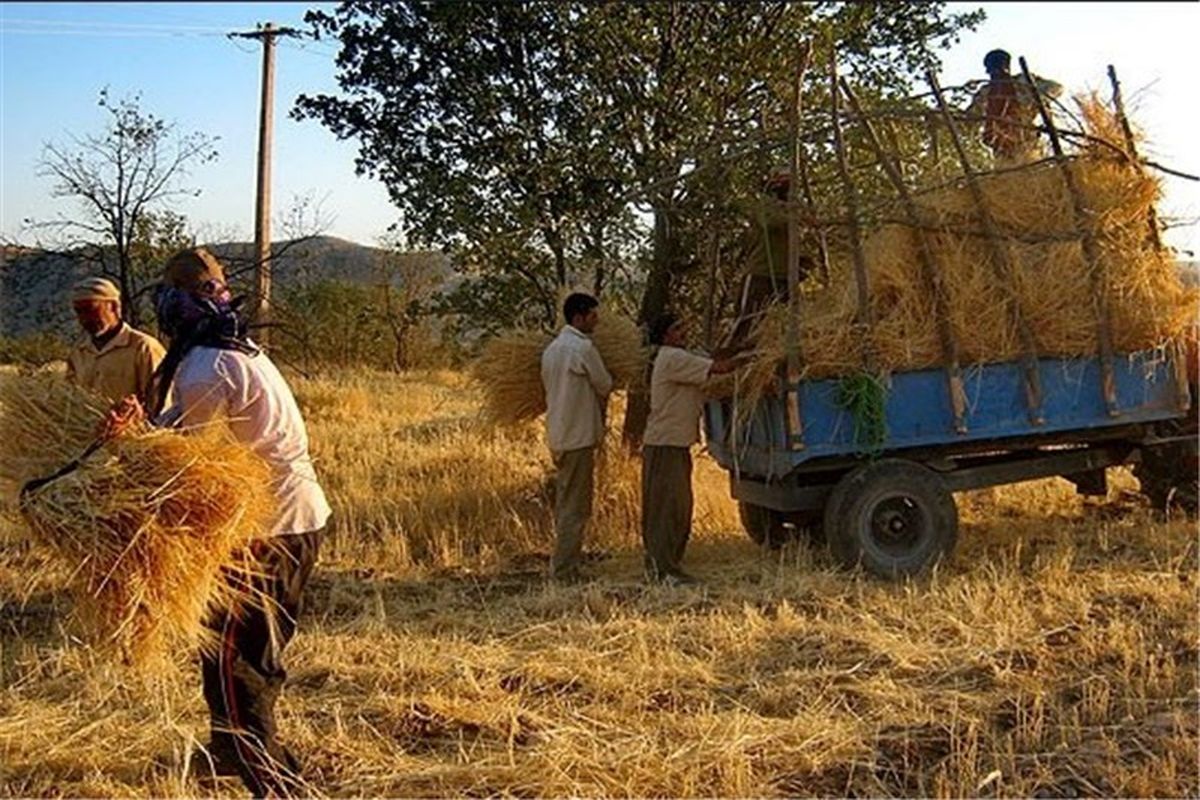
(144, 527)
(1051, 286)
(509, 369)
(1053, 655)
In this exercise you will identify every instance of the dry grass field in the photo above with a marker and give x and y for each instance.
(1054, 655)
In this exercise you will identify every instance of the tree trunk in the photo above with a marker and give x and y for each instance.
(655, 300)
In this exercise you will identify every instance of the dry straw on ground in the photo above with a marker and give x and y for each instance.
(1052, 287)
(510, 373)
(1053, 655)
(146, 525)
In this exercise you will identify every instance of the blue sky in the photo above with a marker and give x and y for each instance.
(56, 57)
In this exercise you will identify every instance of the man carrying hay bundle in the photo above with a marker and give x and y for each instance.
(677, 379)
(577, 385)
(113, 359)
(1008, 107)
(217, 373)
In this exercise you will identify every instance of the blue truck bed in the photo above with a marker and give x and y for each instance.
(919, 415)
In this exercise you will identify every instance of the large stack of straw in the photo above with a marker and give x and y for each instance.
(1148, 304)
(152, 528)
(509, 369)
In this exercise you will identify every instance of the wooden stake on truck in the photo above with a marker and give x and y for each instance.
(792, 393)
(1002, 259)
(1178, 355)
(1091, 253)
(930, 268)
(865, 319)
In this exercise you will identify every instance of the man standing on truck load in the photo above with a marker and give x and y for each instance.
(577, 385)
(113, 359)
(766, 268)
(218, 373)
(677, 380)
(1008, 107)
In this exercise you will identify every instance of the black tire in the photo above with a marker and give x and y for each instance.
(764, 525)
(1168, 477)
(894, 518)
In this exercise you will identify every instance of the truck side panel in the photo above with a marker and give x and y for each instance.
(918, 411)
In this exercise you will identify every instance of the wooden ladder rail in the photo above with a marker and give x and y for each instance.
(1178, 355)
(929, 267)
(795, 416)
(864, 321)
(1091, 253)
(1002, 261)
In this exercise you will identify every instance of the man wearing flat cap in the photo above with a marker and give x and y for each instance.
(113, 359)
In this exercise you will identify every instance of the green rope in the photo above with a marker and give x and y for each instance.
(865, 397)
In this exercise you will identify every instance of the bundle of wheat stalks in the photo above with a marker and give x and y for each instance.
(1051, 287)
(509, 369)
(153, 527)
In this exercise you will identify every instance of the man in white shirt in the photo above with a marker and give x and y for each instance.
(217, 373)
(577, 386)
(677, 381)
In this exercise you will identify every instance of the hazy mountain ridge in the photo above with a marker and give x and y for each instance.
(35, 284)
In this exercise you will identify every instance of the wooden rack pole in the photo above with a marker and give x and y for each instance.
(865, 320)
(1183, 395)
(1091, 253)
(1002, 260)
(792, 390)
(932, 273)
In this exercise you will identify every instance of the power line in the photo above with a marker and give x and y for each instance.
(101, 34)
(64, 23)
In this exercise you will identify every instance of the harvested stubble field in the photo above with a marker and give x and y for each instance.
(1055, 655)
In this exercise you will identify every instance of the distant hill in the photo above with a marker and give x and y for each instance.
(35, 285)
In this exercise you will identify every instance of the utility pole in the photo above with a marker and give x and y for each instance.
(266, 33)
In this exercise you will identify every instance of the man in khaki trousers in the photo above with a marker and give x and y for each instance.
(677, 379)
(577, 386)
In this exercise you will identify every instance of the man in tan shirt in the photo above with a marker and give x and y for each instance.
(113, 359)
(676, 399)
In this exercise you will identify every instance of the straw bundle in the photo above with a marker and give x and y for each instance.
(153, 527)
(509, 369)
(1149, 306)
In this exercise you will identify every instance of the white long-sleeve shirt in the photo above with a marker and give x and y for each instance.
(576, 384)
(250, 394)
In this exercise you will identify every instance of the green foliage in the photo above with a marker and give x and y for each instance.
(547, 144)
(865, 397)
(333, 323)
(33, 350)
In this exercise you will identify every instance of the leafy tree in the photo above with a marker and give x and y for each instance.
(533, 136)
(123, 177)
(471, 115)
(528, 135)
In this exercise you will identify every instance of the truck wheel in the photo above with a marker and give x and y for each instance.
(764, 525)
(1168, 477)
(895, 518)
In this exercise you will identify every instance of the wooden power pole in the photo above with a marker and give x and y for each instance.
(267, 33)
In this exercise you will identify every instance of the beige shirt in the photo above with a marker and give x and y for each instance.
(124, 366)
(260, 410)
(577, 384)
(676, 397)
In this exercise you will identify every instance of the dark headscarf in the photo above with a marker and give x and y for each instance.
(195, 308)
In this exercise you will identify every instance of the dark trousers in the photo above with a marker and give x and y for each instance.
(666, 507)
(243, 678)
